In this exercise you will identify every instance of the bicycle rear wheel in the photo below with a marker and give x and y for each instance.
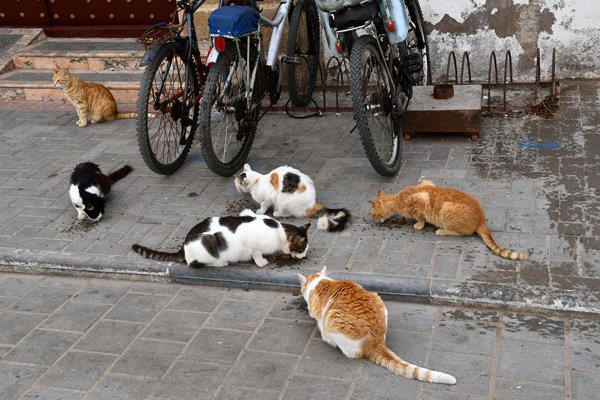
(374, 109)
(417, 43)
(303, 52)
(227, 124)
(165, 127)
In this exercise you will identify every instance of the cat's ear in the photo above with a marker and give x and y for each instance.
(302, 279)
(380, 193)
(304, 227)
(247, 168)
(324, 270)
(373, 202)
(55, 70)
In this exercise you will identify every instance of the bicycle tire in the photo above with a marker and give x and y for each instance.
(304, 45)
(224, 123)
(373, 106)
(417, 42)
(160, 129)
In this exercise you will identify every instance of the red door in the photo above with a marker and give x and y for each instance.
(86, 18)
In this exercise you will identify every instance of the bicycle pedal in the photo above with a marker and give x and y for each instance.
(412, 63)
(291, 60)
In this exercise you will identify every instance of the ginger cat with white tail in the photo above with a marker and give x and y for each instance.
(355, 320)
(452, 211)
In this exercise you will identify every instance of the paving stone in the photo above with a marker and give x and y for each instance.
(546, 330)
(53, 343)
(77, 371)
(102, 292)
(232, 392)
(214, 345)
(147, 358)
(179, 326)
(508, 389)
(16, 326)
(321, 388)
(122, 387)
(257, 369)
(466, 337)
(238, 315)
(110, 336)
(137, 307)
(471, 371)
(75, 316)
(204, 299)
(15, 379)
(282, 336)
(191, 379)
(375, 382)
(51, 394)
(584, 384)
(524, 360)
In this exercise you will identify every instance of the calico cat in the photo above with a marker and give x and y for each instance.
(89, 188)
(355, 320)
(292, 194)
(218, 241)
(91, 100)
(453, 211)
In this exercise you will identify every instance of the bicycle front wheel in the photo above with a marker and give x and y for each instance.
(374, 109)
(303, 52)
(227, 123)
(167, 111)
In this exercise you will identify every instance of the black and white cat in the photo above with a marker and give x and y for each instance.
(218, 241)
(89, 188)
(292, 194)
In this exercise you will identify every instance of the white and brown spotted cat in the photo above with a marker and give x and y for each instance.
(292, 194)
(92, 101)
(355, 320)
(219, 241)
(452, 211)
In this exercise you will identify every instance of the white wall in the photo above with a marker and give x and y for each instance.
(480, 26)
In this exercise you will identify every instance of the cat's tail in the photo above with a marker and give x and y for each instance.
(330, 219)
(120, 173)
(159, 255)
(121, 115)
(382, 355)
(489, 241)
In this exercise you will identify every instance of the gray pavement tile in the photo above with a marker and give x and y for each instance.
(466, 337)
(172, 325)
(51, 394)
(262, 370)
(15, 326)
(76, 371)
(17, 285)
(102, 292)
(110, 336)
(584, 384)
(75, 316)
(215, 345)
(238, 315)
(191, 379)
(237, 393)
(547, 330)
(15, 379)
(508, 390)
(409, 346)
(320, 388)
(289, 307)
(43, 299)
(472, 371)
(585, 351)
(204, 299)
(282, 336)
(532, 362)
(137, 307)
(147, 358)
(115, 387)
(52, 344)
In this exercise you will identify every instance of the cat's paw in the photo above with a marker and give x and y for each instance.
(261, 263)
(260, 211)
(419, 225)
(82, 124)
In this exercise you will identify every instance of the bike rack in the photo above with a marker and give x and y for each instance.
(544, 107)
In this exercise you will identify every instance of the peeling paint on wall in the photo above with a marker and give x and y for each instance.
(521, 26)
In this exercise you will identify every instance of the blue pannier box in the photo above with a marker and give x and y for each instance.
(233, 21)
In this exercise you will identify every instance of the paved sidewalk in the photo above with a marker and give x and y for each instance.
(537, 179)
(70, 338)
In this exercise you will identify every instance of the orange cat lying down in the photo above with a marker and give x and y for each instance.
(452, 211)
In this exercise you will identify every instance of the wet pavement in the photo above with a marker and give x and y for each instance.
(85, 338)
(537, 180)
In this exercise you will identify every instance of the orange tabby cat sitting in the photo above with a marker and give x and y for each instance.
(91, 100)
(452, 211)
(355, 320)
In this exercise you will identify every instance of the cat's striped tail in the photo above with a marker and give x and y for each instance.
(120, 173)
(330, 219)
(489, 241)
(382, 355)
(159, 255)
(121, 115)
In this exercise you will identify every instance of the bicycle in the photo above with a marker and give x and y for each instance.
(241, 76)
(389, 54)
(170, 92)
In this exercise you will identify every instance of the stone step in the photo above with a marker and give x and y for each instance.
(36, 85)
(81, 54)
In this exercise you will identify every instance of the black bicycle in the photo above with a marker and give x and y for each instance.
(170, 92)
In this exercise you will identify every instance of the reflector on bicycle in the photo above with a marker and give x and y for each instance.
(233, 21)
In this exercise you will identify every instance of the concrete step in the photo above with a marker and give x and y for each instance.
(36, 85)
(81, 54)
